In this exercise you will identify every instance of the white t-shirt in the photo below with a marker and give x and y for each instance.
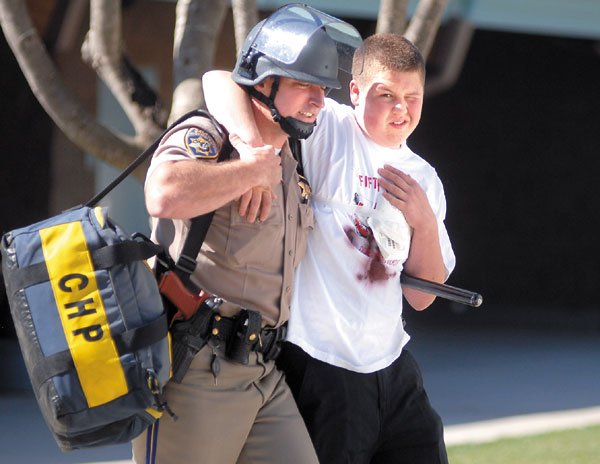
(347, 306)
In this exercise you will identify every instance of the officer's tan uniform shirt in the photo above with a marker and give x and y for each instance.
(249, 265)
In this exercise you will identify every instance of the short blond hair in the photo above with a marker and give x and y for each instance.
(386, 51)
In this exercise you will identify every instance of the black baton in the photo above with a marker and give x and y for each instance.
(442, 290)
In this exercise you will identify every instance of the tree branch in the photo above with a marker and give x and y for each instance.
(193, 50)
(58, 101)
(424, 24)
(245, 17)
(103, 51)
(448, 55)
(392, 16)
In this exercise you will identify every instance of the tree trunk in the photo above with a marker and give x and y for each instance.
(424, 24)
(196, 33)
(194, 45)
(58, 101)
(392, 16)
(245, 17)
(103, 51)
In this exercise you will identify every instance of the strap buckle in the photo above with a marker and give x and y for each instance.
(186, 264)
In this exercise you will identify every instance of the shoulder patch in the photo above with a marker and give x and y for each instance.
(200, 144)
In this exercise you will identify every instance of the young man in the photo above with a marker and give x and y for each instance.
(233, 405)
(379, 211)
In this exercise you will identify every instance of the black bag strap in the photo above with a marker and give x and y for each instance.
(199, 225)
(24, 277)
(126, 342)
(296, 149)
(186, 264)
(123, 253)
(103, 258)
(145, 154)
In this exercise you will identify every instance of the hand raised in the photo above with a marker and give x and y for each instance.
(257, 201)
(265, 164)
(405, 193)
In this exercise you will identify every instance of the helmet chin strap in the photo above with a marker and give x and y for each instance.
(296, 128)
(291, 126)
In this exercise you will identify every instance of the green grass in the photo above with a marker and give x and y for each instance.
(577, 446)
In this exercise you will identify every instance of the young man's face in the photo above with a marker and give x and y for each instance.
(299, 100)
(388, 106)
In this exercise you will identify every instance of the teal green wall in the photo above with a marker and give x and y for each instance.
(570, 18)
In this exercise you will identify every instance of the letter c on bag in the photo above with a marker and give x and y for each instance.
(69, 288)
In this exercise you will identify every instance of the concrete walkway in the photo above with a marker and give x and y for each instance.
(520, 426)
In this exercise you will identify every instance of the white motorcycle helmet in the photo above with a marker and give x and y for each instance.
(300, 43)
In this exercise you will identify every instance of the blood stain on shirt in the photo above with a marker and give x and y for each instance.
(375, 269)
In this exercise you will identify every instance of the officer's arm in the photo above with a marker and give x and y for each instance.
(187, 188)
(230, 105)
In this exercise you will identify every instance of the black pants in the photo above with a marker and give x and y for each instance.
(353, 418)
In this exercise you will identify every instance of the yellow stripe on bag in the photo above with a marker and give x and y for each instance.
(82, 313)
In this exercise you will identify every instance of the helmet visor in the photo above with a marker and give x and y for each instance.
(288, 30)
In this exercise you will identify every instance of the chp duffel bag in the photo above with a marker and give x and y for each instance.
(91, 326)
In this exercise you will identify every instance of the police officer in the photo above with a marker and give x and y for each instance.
(230, 407)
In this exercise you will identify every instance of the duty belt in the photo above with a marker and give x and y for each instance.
(239, 335)
(235, 330)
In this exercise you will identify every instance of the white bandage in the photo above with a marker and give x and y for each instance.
(390, 230)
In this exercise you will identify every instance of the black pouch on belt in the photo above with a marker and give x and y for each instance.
(244, 336)
(190, 336)
(272, 342)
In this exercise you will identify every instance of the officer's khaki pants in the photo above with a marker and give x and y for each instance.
(249, 416)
